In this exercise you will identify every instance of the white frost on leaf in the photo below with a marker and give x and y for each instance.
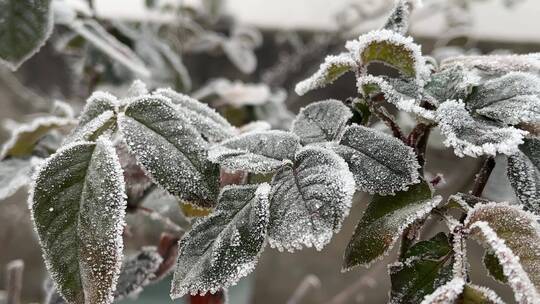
(16, 173)
(257, 152)
(309, 200)
(224, 246)
(321, 121)
(379, 162)
(474, 136)
(447, 293)
(524, 174)
(334, 66)
(412, 106)
(497, 65)
(92, 129)
(209, 123)
(513, 235)
(487, 294)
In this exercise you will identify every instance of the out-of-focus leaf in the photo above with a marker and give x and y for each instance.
(309, 200)
(489, 66)
(524, 174)
(424, 267)
(170, 149)
(15, 173)
(383, 222)
(24, 28)
(241, 55)
(398, 21)
(256, 152)
(224, 246)
(78, 209)
(379, 162)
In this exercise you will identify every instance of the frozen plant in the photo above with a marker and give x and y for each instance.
(291, 189)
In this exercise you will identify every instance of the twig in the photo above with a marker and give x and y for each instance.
(388, 120)
(153, 214)
(310, 281)
(483, 176)
(14, 271)
(365, 281)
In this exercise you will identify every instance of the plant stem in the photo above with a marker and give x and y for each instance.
(388, 120)
(14, 271)
(483, 176)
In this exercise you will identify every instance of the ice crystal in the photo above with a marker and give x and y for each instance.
(384, 221)
(370, 85)
(512, 99)
(309, 200)
(169, 149)
(258, 152)
(513, 235)
(474, 136)
(206, 120)
(379, 162)
(390, 48)
(524, 174)
(78, 208)
(321, 121)
(16, 173)
(446, 294)
(93, 128)
(224, 246)
(96, 104)
(334, 66)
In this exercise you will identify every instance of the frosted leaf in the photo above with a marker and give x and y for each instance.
(137, 88)
(223, 247)
(62, 109)
(15, 173)
(309, 200)
(524, 174)
(236, 93)
(479, 294)
(384, 221)
(370, 86)
(496, 65)
(240, 54)
(513, 236)
(474, 136)
(398, 21)
(255, 126)
(512, 99)
(256, 152)
(137, 272)
(210, 124)
(449, 293)
(334, 66)
(392, 49)
(24, 28)
(379, 162)
(94, 128)
(170, 149)
(451, 83)
(78, 208)
(96, 104)
(424, 267)
(24, 137)
(412, 106)
(321, 121)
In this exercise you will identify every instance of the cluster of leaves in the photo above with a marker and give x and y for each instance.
(296, 186)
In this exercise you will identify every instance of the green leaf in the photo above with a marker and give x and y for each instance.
(473, 294)
(24, 137)
(309, 200)
(379, 162)
(452, 83)
(170, 149)
(224, 246)
(384, 221)
(523, 172)
(15, 173)
(78, 208)
(256, 152)
(457, 291)
(24, 27)
(513, 236)
(321, 121)
(494, 268)
(424, 267)
(329, 71)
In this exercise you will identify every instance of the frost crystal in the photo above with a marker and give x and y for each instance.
(96, 104)
(511, 99)
(170, 149)
(384, 221)
(15, 173)
(474, 136)
(309, 200)
(257, 152)
(206, 120)
(379, 162)
(524, 174)
(224, 246)
(446, 294)
(93, 128)
(334, 66)
(513, 235)
(321, 121)
(78, 208)
(370, 85)
(390, 48)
